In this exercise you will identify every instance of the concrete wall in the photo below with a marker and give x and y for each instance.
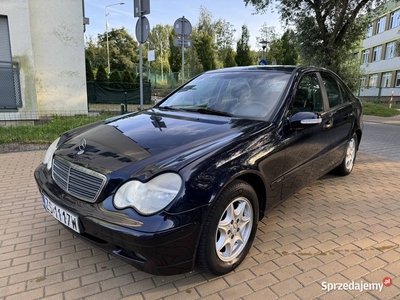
(47, 40)
(382, 66)
(374, 92)
(59, 55)
(17, 12)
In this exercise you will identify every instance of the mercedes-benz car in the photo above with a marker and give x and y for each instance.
(184, 183)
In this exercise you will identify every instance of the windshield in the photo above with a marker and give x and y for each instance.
(248, 94)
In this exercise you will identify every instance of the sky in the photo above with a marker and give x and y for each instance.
(167, 11)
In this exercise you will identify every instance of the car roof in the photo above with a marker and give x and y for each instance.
(282, 68)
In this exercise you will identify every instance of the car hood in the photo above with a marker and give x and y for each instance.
(151, 140)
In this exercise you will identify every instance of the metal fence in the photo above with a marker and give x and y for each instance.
(169, 80)
(109, 96)
(10, 89)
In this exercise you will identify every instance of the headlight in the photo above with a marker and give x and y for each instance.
(150, 197)
(48, 158)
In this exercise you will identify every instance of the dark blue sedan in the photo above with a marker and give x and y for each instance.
(186, 182)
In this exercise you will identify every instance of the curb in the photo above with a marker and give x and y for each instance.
(16, 147)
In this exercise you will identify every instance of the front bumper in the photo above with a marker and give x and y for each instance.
(166, 250)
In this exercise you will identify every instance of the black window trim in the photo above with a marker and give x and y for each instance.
(342, 88)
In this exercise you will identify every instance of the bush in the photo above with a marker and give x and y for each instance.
(115, 76)
(127, 77)
(101, 75)
(89, 71)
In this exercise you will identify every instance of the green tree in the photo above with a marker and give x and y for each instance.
(175, 55)
(290, 54)
(221, 32)
(193, 65)
(101, 75)
(115, 76)
(96, 54)
(275, 53)
(135, 76)
(204, 40)
(115, 79)
(159, 40)
(267, 33)
(243, 54)
(229, 60)
(224, 37)
(89, 70)
(272, 51)
(124, 50)
(204, 48)
(127, 77)
(205, 22)
(327, 31)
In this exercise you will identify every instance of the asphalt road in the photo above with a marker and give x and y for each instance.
(381, 140)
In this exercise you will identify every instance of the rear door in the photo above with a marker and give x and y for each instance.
(340, 111)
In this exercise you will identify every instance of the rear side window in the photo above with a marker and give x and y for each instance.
(345, 95)
(332, 90)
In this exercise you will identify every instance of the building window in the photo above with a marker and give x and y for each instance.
(369, 31)
(380, 25)
(395, 19)
(373, 80)
(365, 56)
(390, 50)
(377, 55)
(10, 89)
(386, 79)
(397, 79)
(363, 82)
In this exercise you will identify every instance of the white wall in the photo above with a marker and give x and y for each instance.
(384, 65)
(17, 13)
(47, 40)
(374, 92)
(380, 38)
(58, 47)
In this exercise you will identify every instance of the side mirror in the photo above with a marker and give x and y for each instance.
(304, 119)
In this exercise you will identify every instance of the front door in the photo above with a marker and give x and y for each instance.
(305, 148)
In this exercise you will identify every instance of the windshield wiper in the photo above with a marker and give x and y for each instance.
(168, 107)
(212, 111)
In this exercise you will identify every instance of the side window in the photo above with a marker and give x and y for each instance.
(332, 90)
(308, 96)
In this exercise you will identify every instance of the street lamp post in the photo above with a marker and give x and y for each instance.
(108, 48)
(264, 45)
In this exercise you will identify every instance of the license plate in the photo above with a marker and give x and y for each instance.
(62, 215)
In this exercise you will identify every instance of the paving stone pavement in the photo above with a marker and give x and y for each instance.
(335, 230)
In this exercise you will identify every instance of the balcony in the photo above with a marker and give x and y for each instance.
(10, 87)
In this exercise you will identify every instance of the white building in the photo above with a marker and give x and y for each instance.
(42, 59)
(380, 62)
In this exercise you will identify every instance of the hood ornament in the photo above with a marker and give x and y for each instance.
(82, 146)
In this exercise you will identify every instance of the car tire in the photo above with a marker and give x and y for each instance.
(349, 159)
(229, 229)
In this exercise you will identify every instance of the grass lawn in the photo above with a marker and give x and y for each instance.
(381, 109)
(45, 133)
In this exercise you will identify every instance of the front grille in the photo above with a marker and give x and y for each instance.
(76, 180)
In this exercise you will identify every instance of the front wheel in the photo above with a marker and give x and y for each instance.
(229, 229)
(347, 164)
